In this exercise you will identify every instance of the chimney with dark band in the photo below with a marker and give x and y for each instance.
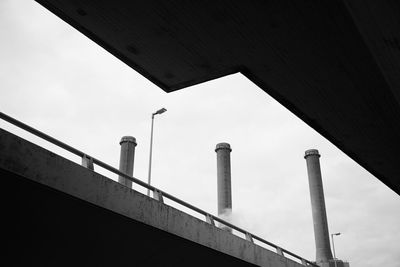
(321, 233)
(224, 182)
(127, 158)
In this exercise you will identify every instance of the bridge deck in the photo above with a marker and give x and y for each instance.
(62, 213)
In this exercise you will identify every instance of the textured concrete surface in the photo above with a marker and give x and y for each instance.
(29, 162)
(332, 263)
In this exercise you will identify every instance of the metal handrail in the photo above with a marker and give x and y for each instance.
(152, 188)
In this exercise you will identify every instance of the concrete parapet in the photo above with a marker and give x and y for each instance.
(40, 166)
(333, 263)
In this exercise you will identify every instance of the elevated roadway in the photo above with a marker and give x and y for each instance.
(59, 213)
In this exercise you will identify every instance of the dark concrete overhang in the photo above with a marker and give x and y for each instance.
(335, 64)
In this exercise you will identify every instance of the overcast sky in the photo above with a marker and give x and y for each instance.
(55, 79)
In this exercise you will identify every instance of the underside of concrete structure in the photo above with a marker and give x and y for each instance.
(59, 213)
(335, 64)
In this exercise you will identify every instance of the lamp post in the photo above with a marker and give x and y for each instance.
(333, 247)
(160, 111)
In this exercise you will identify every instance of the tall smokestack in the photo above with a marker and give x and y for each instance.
(224, 182)
(126, 159)
(321, 233)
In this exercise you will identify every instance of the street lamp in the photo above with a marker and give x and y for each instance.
(333, 246)
(160, 111)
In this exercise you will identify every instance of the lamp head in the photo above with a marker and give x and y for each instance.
(160, 111)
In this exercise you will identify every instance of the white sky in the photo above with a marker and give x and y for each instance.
(58, 81)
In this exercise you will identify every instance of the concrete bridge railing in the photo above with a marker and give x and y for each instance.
(89, 162)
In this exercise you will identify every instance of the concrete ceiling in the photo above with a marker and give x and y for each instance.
(335, 64)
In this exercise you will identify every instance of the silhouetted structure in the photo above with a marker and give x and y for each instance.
(334, 64)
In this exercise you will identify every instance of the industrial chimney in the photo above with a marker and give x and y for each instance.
(224, 182)
(126, 159)
(321, 233)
